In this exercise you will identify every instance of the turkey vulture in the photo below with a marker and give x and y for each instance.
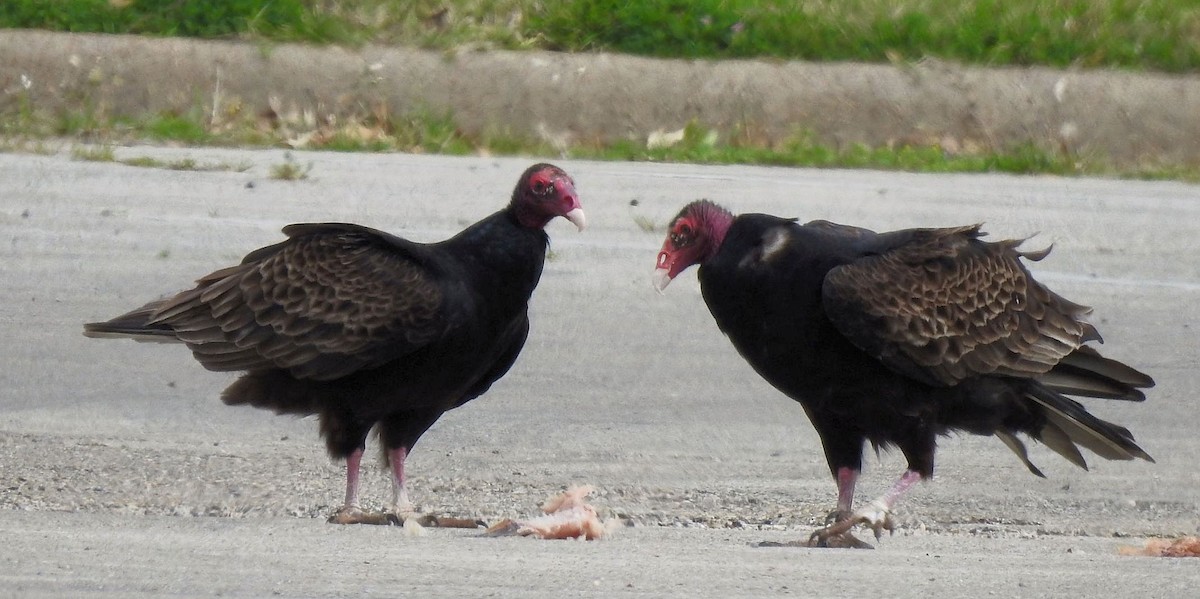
(899, 337)
(365, 329)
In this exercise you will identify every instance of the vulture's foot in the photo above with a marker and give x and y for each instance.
(875, 515)
(436, 521)
(397, 517)
(841, 541)
(357, 515)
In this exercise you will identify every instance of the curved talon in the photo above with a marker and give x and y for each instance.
(821, 536)
(837, 536)
(887, 524)
(877, 516)
(357, 515)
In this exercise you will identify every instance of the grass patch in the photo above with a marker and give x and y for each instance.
(106, 153)
(1150, 34)
(1161, 35)
(186, 129)
(284, 20)
(290, 169)
(183, 164)
(101, 153)
(702, 146)
(79, 124)
(427, 131)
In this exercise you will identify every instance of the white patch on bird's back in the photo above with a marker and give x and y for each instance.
(773, 242)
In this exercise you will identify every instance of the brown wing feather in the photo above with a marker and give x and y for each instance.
(944, 306)
(322, 305)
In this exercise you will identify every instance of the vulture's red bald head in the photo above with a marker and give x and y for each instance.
(543, 192)
(693, 237)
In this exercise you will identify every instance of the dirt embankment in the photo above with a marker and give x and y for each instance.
(1127, 118)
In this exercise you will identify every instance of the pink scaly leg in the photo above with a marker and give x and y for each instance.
(907, 480)
(351, 513)
(401, 505)
(846, 479)
(353, 461)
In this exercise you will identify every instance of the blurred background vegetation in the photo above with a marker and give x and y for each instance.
(1159, 35)
(1146, 35)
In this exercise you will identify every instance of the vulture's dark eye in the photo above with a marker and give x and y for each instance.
(681, 236)
(542, 187)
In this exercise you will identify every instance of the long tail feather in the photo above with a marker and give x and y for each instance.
(133, 325)
(1068, 424)
(1085, 372)
(1057, 439)
(1018, 448)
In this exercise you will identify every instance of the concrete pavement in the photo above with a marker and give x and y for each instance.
(124, 476)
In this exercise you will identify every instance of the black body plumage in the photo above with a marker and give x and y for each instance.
(897, 338)
(365, 329)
